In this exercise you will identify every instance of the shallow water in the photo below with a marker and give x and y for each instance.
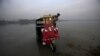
(76, 39)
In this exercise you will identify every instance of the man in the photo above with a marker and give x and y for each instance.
(55, 18)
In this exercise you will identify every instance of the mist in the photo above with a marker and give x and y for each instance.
(33, 9)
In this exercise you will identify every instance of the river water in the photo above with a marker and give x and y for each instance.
(77, 38)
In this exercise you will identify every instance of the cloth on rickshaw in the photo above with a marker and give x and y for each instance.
(49, 33)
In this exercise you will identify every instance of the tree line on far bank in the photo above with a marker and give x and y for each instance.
(21, 21)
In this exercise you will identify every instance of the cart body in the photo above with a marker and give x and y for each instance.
(46, 29)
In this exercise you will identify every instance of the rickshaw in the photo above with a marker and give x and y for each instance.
(47, 31)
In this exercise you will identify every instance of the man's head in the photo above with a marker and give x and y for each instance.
(58, 14)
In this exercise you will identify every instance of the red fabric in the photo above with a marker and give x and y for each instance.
(49, 33)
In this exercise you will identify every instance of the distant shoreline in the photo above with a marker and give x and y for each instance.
(26, 21)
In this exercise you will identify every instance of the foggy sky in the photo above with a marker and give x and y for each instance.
(32, 9)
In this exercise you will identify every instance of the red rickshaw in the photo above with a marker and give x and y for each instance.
(47, 31)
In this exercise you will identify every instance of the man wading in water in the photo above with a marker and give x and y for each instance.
(55, 18)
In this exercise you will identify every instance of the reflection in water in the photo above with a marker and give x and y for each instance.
(46, 51)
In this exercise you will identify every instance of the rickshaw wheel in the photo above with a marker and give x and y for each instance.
(53, 47)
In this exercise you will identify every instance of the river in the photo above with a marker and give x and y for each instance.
(77, 38)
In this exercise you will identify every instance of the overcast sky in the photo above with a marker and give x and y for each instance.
(32, 9)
